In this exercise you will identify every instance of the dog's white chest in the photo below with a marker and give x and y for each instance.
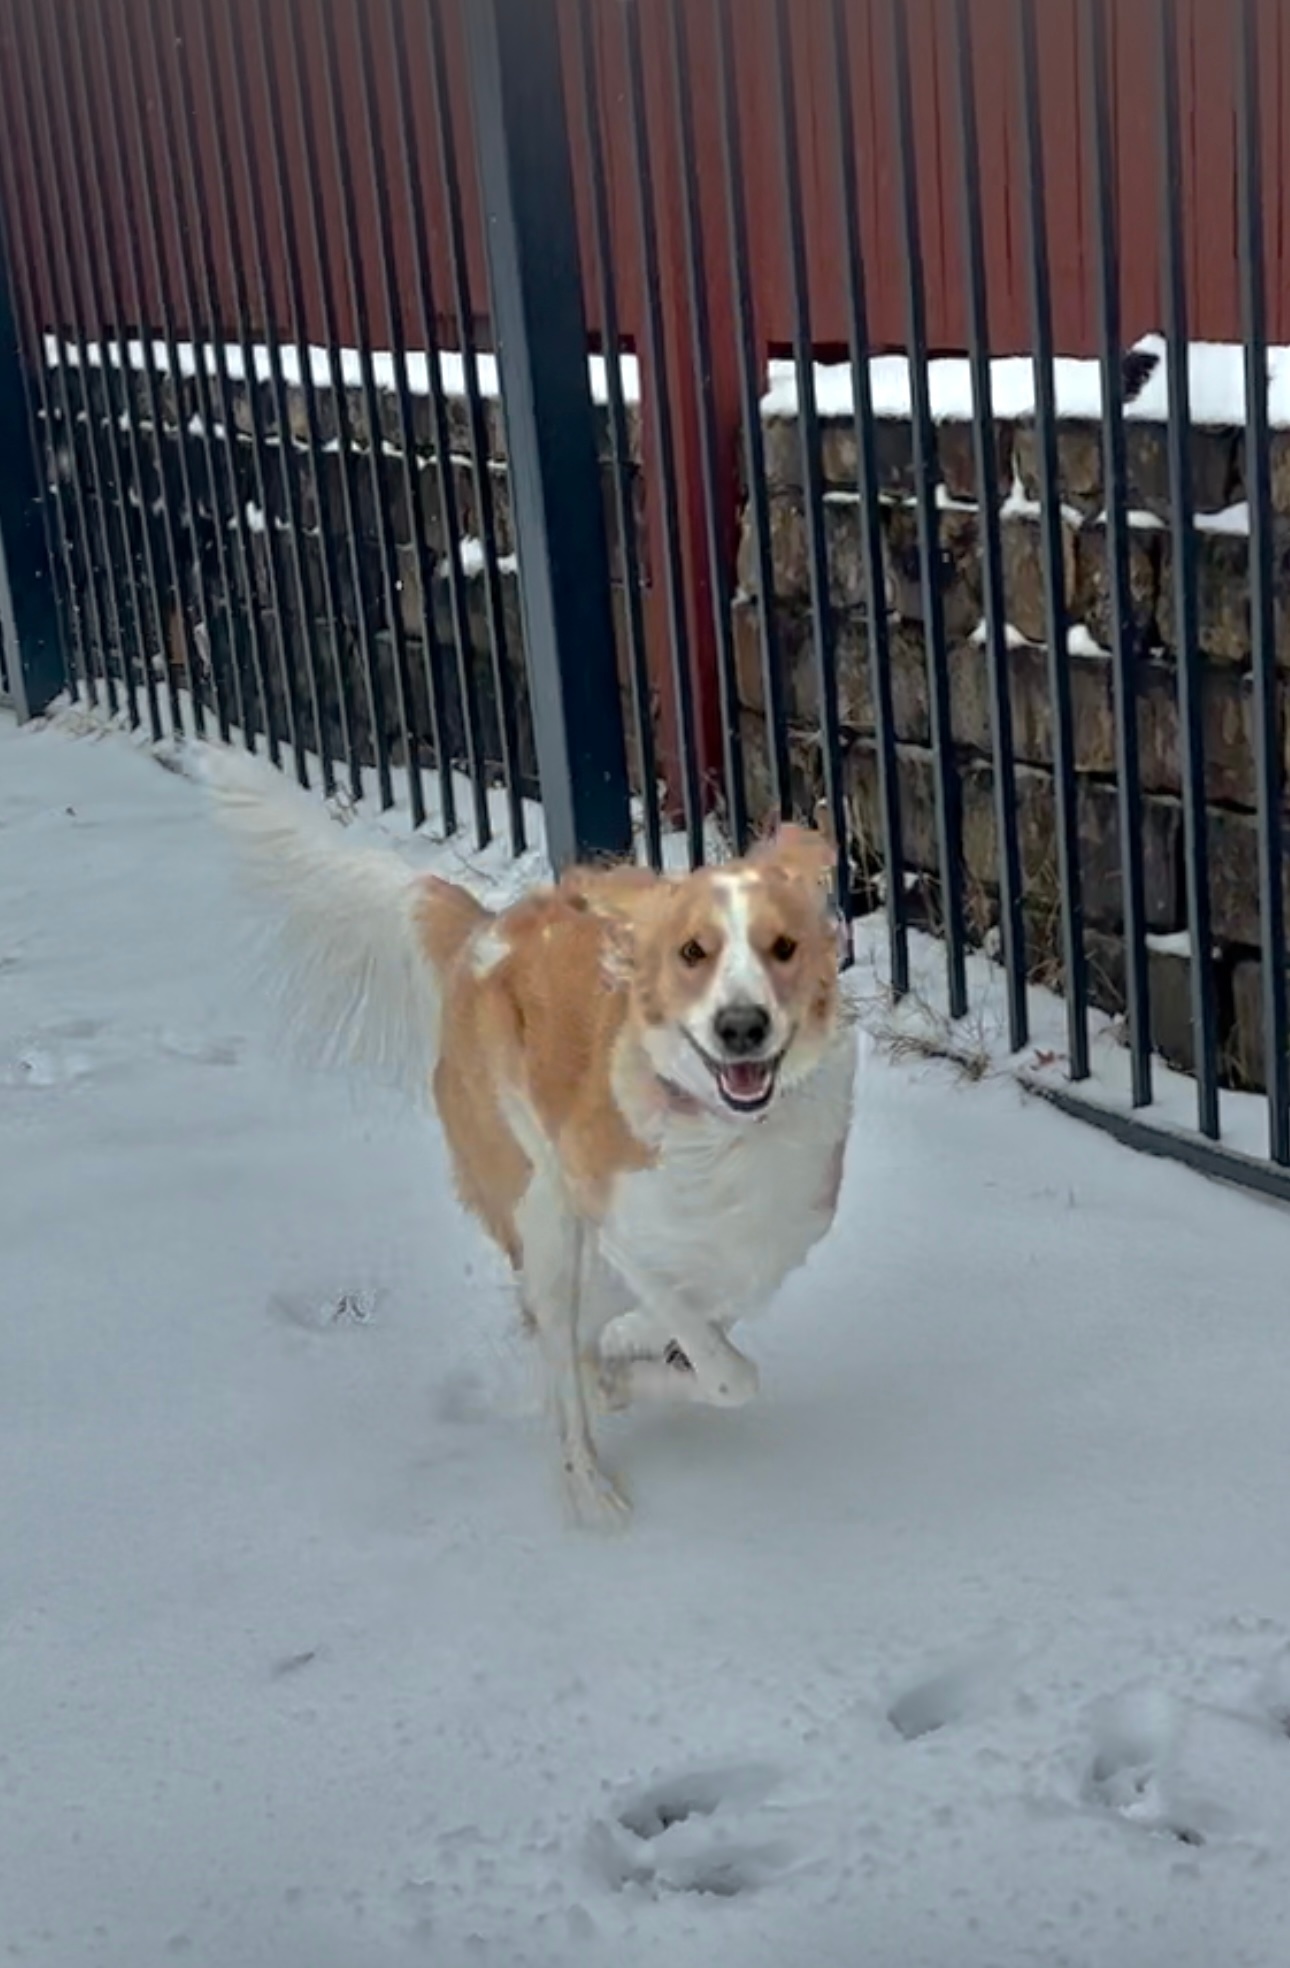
(731, 1209)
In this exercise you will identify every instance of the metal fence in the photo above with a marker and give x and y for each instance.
(608, 400)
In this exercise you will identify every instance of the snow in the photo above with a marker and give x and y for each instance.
(969, 1643)
(1216, 375)
(230, 360)
(474, 559)
(1233, 519)
(1080, 641)
(1012, 635)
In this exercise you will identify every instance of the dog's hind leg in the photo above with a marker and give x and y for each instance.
(554, 1281)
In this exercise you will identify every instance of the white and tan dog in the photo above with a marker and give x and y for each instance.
(645, 1082)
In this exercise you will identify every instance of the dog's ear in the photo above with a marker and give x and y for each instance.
(628, 900)
(807, 855)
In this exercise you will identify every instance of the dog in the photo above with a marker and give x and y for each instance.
(645, 1081)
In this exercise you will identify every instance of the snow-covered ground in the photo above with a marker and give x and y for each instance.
(968, 1646)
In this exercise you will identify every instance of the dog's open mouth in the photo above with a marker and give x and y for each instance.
(746, 1085)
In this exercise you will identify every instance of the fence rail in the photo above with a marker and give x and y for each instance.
(906, 431)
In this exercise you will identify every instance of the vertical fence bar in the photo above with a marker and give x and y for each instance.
(541, 336)
(750, 391)
(949, 823)
(75, 192)
(279, 541)
(290, 262)
(481, 461)
(232, 568)
(135, 313)
(34, 653)
(445, 481)
(620, 448)
(35, 88)
(316, 249)
(658, 399)
(1065, 790)
(34, 672)
(64, 458)
(409, 470)
(985, 446)
(387, 553)
(149, 610)
(214, 420)
(870, 508)
(146, 222)
(1191, 702)
(476, 417)
(817, 541)
(1267, 746)
(701, 355)
(1124, 637)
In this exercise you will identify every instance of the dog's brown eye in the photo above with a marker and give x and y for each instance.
(693, 953)
(783, 949)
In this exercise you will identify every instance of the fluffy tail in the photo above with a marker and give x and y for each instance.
(357, 942)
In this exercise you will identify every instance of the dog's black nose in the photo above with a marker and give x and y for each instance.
(742, 1029)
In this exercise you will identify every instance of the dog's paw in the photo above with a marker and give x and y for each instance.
(730, 1381)
(594, 1502)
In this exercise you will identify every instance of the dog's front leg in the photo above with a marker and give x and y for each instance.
(553, 1281)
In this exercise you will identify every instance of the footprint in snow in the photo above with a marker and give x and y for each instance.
(713, 1831)
(956, 1691)
(1135, 1769)
(55, 1057)
(324, 1312)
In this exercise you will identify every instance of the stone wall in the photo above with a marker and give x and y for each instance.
(254, 521)
(1223, 560)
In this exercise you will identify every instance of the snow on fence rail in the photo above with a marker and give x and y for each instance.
(1216, 373)
(230, 361)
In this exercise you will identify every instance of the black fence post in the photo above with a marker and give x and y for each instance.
(540, 335)
(32, 656)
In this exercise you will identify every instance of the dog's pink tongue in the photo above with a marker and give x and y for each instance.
(746, 1079)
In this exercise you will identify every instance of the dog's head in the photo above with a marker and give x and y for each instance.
(733, 970)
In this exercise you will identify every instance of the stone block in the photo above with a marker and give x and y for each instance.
(1222, 595)
(893, 454)
(790, 551)
(806, 777)
(794, 656)
(1035, 823)
(1093, 601)
(782, 454)
(1098, 824)
(1234, 877)
(1023, 573)
(893, 443)
(915, 776)
(1279, 453)
(1228, 711)
(1211, 466)
(959, 569)
(1030, 697)
(1079, 463)
(1169, 996)
(956, 452)
(1245, 1055)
